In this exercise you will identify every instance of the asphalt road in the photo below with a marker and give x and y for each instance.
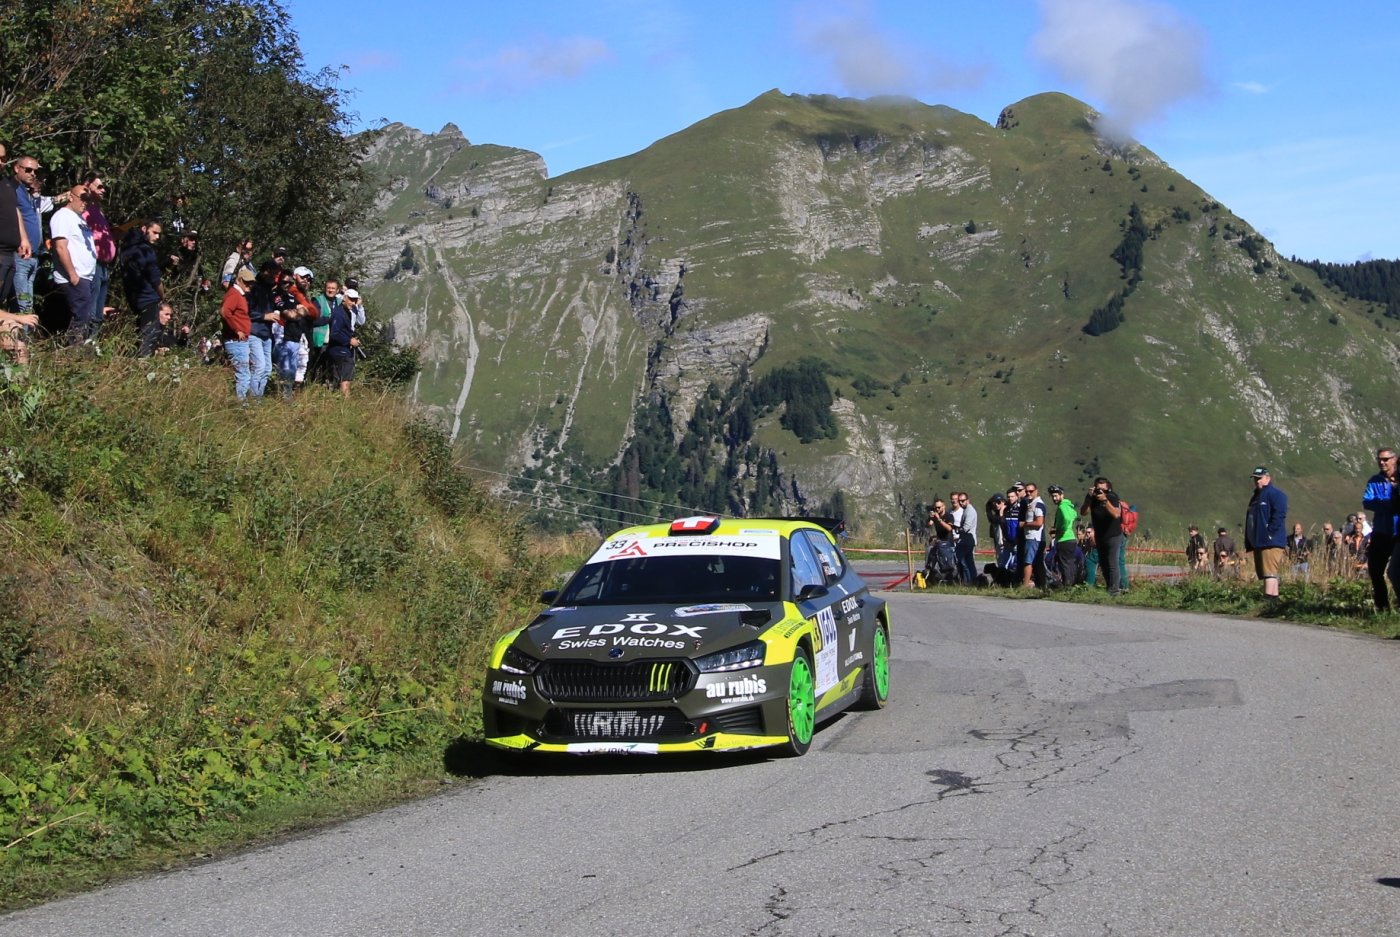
(1043, 769)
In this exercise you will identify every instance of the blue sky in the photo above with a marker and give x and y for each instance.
(1285, 112)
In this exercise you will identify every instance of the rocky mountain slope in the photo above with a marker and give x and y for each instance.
(977, 303)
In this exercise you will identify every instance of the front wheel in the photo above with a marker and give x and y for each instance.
(801, 705)
(875, 691)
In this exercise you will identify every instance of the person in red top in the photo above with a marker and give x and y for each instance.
(103, 243)
(237, 327)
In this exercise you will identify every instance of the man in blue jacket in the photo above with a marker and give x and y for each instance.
(1383, 554)
(1266, 531)
(141, 282)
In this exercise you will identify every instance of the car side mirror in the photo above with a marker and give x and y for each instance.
(548, 596)
(811, 591)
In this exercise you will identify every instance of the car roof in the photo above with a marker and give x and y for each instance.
(731, 527)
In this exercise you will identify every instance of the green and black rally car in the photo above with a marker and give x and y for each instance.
(698, 635)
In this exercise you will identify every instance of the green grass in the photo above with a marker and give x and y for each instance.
(219, 624)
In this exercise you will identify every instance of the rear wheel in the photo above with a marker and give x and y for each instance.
(801, 705)
(875, 691)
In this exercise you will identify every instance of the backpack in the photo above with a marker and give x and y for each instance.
(1129, 517)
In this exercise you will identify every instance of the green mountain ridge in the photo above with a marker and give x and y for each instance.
(610, 328)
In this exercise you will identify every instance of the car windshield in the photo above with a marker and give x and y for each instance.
(667, 580)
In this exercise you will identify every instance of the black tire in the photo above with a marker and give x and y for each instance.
(875, 689)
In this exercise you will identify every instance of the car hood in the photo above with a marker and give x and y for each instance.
(615, 632)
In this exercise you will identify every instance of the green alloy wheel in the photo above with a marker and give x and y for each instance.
(802, 704)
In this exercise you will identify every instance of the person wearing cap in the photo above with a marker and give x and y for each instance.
(1105, 511)
(1222, 551)
(996, 529)
(1382, 496)
(340, 349)
(1062, 536)
(295, 314)
(237, 330)
(1266, 530)
(301, 287)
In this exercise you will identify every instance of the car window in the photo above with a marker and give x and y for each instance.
(674, 579)
(806, 567)
(832, 563)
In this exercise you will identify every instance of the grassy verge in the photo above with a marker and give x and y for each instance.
(1343, 603)
(218, 624)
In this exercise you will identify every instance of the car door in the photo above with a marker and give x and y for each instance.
(812, 572)
(848, 595)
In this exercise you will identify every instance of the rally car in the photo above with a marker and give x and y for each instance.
(701, 634)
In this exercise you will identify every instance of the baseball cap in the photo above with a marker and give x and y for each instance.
(246, 274)
(1018, 484)
(352, 294)
(279, 252)
(304, 272)
(1259, 472)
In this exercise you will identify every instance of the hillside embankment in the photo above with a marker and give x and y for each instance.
(218, 623)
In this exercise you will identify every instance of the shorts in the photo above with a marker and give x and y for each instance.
(343, 369)
(1030, 551)
(1268, 562)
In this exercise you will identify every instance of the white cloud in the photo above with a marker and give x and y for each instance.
(517, 68)
(868, 60)
(1252, 87)
(1135, 58)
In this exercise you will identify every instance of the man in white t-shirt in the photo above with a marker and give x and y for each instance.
(75, 262)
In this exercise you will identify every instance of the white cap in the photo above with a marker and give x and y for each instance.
(352, 294)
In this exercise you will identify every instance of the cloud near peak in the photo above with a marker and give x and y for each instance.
(1136, 58)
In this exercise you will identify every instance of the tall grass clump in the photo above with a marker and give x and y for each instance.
(213, 620)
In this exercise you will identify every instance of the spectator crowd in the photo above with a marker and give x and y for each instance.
(275, 317)
(1040, 545)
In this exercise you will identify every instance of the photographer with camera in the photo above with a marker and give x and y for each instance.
(1105, 511)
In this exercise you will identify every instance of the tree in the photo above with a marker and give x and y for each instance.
(206, 98)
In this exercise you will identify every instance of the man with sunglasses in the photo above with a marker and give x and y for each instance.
(1383, 555)
(32, 205)
(14, 242)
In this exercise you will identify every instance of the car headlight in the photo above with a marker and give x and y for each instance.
(517, 661)
(743, 657)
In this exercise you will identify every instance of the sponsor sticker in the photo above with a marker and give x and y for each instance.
(826, 653)
(612, 748)
(855, 658)
(761, 544)
(743, 690)
(713, 608)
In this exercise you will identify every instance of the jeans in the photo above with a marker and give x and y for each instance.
(1110, 549)
(82, 327)
(26, 269)
(101, 277)
(239, 355)
(287, 356)
(967, 562)
(260, 359)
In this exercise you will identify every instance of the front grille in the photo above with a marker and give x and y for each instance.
(619, 724)
(739, 721)
(639, 681)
